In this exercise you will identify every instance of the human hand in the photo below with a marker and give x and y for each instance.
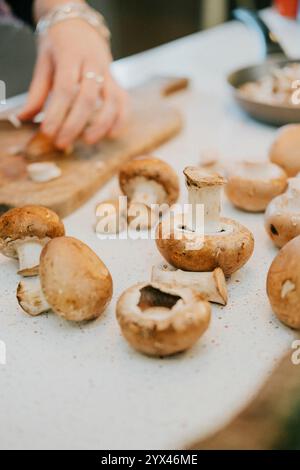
(67, 52)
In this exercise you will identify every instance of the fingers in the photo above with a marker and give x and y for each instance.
(80, 112)
(65, 87)
(123, 115)
(39, 88)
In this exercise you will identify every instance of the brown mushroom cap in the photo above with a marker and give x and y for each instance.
(228, 250)
(28, 222)
(160, 321)
(199, 178)
(282, 218)
(283, 284)
(252, 185)
(285, 150)
(75, 282)
(151, 169)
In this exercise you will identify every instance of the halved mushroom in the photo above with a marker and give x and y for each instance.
(160, 321)
(146, 182)
(252, 185)
(226, 244)
(285, 150)
(282, 218)
(74, 283)
(283, 284)
(211, 286)
(111, 217)
(24, 232)
(41, 146)
(43, 172)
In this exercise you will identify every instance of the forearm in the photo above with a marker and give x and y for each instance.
(42, 7)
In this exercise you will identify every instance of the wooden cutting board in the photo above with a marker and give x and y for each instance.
(86, 170)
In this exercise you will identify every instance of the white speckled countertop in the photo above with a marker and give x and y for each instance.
(82, 387)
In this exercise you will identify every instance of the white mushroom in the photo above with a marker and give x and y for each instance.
(252, 185)
(23, 233)
(74, 283)
(285, 150)
(212, 285)
(43, 172)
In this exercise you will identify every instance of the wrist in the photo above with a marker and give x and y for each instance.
(42, 7)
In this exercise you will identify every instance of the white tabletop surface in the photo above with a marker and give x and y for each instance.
(67, 386)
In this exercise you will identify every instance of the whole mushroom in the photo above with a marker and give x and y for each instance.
(160, 321)
(74, 283)
(24, 232)
(282, 218)
(226, 244)
(285, 150)
(146, 182)
(283, 284)
(252, 185)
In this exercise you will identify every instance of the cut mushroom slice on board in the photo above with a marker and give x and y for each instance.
(211, 286)
(285, 150)
(282, 218)
(283, 284)
(24, 232)
(147, 182)
(225, 244)
(252, 185)
(161, 321)
(43, 172)
(74, 283)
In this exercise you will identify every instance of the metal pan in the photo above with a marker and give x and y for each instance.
(277, 115)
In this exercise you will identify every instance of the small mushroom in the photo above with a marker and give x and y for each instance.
(111, 217)
(282, 218)
(226, 244)
(160, 321)
(74, 283)
(43, 172)
(24, 232)
(146, 182)
(285, 150)
(252, 185)
(211, 286)
(283, 284)
(41, 146)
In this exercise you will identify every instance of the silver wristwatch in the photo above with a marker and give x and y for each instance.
(73, 10)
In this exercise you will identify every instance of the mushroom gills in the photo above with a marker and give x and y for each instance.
(29, 253)
(210, 285)
(31, 298)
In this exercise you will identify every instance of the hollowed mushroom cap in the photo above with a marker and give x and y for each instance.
(282, 218)
(26, 223)
(285, 150)
(75, 282)
(154, 170)
(229, 250)
(283, 284)
(252, 185)
(161, 321)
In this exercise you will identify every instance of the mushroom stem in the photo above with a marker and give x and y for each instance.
(29, 253)
(146, 192)
(211, 285)
(204, 191)
(31, 298)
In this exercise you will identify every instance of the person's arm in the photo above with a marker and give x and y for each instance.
(69, 52)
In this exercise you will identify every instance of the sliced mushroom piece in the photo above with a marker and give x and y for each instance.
(226, 244)
(161, 321)
(24, 232)
(283, 284)
(211, 286)
(285, 150)
(148, 181)
(111, 216)
(252, 185)
(43, 172)
(74, 283)
(282, 218)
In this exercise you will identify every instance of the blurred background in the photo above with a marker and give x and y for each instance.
(136, 25)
